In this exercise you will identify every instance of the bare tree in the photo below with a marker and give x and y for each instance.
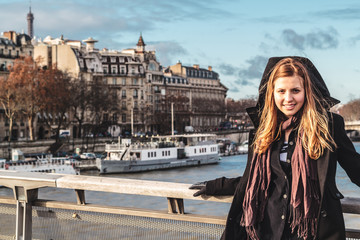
(80, 102)
(8, 93)
(56, 98)
(26, 76)
(351, 110)
(100, 102)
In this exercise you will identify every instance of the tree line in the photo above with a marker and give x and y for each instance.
(31, 91)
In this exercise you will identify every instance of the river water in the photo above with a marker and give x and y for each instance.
(231, 166)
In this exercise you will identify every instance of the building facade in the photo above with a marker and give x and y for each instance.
(205, 92)
(12, 46)
(142, 93)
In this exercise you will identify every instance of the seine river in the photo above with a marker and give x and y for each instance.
(232, 166)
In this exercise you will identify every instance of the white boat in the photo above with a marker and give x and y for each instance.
(46, 163)
(243, 147)
(161, 152)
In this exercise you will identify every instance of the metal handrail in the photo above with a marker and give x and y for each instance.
(26, 184)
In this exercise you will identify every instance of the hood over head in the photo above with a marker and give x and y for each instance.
(315, 78)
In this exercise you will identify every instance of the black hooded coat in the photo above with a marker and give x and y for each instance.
(330, 217)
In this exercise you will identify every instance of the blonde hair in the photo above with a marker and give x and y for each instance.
(313, 118)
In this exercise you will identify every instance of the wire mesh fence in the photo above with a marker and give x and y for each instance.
(51, 223)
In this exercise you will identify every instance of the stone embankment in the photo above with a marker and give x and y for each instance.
(89, 144)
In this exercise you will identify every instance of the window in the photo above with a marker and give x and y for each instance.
(114, 93)
(123, 81)
(123, 93)
(134, 81)
(135, 104)
(123, 105)
(113, 69)
(123, 118)
(105, 69)
(114, 81)
(106, 117)
(135, 93)
(122, 70)
(133, 70)
(114, 118)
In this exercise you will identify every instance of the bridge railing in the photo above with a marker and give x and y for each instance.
(34, 214)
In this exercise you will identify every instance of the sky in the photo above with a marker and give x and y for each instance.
(235, 37)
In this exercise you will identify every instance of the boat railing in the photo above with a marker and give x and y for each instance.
(25, 216)
(136, 146)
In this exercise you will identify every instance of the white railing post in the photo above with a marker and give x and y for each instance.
(24, 200)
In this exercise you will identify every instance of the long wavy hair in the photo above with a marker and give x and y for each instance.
(312, 117)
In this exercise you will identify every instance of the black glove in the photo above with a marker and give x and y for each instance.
(199, 185)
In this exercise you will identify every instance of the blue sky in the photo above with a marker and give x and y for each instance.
(235, 37)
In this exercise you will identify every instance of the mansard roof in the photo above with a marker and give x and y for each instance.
(6, 41)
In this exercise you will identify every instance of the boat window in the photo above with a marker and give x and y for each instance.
(163, 153)
(194, 150)
(154, 154)
(169, 152)
(148, 154)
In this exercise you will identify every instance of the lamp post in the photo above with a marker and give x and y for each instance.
(172, 119)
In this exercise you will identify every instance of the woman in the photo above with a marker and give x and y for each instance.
(288, 188)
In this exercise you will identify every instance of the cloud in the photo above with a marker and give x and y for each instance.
(234, 89)
(353, 40)
(293, 39)
(167, 51)
(227, 69)
(340, 14)
(318, 39)
(254, 70)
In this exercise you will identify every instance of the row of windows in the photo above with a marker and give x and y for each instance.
(114, 81)
(203, 150)
(151, 154)
(114, 70)
(176, 80)
(196, 73)
(119, 59)
(213, 149)
(166, 153)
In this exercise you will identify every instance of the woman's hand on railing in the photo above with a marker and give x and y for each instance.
(201, 186)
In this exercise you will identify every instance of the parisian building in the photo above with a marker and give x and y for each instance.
(142, 91)
(12, 46)
(205, 92)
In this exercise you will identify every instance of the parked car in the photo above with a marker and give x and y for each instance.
(189, 129)
(88, 156)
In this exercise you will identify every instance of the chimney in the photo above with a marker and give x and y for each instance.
(196, 66)
(11, 35)
(210, 68)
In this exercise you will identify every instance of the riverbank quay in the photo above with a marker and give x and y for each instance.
(91, 144)
(26, 216)
(50, 145)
